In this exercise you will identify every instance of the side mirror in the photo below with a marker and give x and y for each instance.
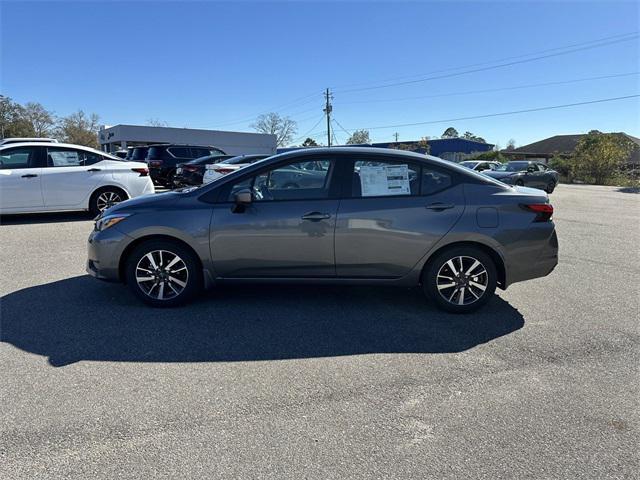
(531, 169)
(242, 199)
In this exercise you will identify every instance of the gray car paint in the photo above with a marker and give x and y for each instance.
(381, 240)
(536, 179)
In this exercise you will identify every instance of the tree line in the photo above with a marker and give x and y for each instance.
(33, 120)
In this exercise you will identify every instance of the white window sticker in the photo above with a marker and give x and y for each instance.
(385, 180)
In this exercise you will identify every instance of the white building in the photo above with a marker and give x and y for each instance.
(233, 143)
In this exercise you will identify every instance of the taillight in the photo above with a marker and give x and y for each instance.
(154, 163)
(543, 211)
(223, 171)
(142, 171)
(190, 168)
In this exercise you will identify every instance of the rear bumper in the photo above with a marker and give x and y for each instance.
(529, 263)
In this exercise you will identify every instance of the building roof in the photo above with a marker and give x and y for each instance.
(560, 144)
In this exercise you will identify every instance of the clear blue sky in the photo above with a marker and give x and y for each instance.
(218, 65)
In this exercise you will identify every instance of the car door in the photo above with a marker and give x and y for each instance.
(21, 179)
(70, 176)
(395, 212)
(286, 231)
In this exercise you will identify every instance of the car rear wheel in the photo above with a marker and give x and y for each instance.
(163, 273)
(105, 198)
(460, 279)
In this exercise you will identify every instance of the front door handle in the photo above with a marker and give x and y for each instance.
(29, 175)
(94, 170)
(439, 206)
(315, 216)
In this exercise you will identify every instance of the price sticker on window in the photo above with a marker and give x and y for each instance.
(384, 180)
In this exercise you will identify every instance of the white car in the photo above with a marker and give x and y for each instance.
(7, 141)
(42, 177)
(479, 165)
(217, 170)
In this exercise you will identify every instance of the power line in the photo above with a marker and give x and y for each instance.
(489, 62)
(297, 102)
(491, 67)
(602, 100)
(343, 129)
(489, 90)
(304, 137)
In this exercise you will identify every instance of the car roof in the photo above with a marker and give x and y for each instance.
(55, 144)
(11, 140)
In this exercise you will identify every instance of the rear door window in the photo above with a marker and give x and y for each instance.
(180, 152)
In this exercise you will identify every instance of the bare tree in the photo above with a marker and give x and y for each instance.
(156, 122)
(511, 144)
(283, 128)
(42, 121)
(80, 128)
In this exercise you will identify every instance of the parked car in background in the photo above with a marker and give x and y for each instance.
(358, 215)
(8, 141)
(191, 173)
(219, 169)
(121, 153)
(479, 165)
(138, 154)
(163, 159)
(527, 174)
(38, 177)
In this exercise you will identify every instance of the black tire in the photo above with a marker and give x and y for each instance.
(192, 279)
(520, 183)
(439, 264)
(551, 187)
(96, 202)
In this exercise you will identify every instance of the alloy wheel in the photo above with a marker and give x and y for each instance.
(107, 199)
(462, 280)
(161, 274)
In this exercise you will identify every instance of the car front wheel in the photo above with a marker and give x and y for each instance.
(460, 279)
(163, 273)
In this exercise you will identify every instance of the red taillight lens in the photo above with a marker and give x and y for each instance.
(223, 171)
(190, 168)
(142, 171)
(544, 211)
(154, 163)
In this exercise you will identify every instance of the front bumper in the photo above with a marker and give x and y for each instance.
(104, 250)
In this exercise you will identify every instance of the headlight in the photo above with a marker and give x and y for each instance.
(109, 221)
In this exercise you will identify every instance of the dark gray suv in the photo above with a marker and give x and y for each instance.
(339, 215)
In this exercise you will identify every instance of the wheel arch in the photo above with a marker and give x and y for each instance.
(100, 188)
(493, 254)
(129, 248)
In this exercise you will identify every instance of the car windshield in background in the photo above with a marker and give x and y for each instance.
(512, 167)
(139, 153)
(469, 164)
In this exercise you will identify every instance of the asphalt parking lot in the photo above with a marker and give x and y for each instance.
(331, 382)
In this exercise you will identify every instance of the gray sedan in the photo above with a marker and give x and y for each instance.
(525, 173)
(361, 216)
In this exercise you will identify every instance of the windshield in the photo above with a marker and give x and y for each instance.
(512, 167)
(139, 153)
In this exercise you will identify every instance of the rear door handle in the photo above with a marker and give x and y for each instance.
(94, 170)
(439, 206)
(315, 216)
(29, 175)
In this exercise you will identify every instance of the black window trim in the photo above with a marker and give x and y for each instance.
(34, 161)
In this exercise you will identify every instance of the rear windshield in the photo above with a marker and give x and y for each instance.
(155, 153)
(242, 159)
(513, 167)
(139, 153)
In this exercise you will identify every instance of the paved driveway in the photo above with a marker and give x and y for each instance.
(331, 382)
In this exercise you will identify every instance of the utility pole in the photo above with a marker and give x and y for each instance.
(327, 110)
(396, 136)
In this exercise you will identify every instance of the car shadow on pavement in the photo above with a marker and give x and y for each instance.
(84, 319)
(54, 217)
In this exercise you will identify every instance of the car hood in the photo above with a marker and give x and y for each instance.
(142, 203)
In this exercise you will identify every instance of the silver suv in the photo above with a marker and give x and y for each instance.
(339, 215)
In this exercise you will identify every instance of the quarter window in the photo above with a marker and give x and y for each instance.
(17, 158)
